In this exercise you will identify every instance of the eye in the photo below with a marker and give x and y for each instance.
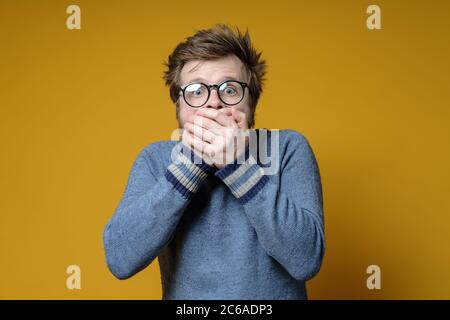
(197, 92)
(229, 89)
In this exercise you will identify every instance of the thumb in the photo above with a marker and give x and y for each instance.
(240, 118)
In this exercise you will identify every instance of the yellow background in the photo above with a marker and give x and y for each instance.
(77, 106)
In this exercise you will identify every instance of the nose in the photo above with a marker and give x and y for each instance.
(214, 100)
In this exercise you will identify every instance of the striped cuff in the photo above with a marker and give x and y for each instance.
(187, 172)
(244, 180)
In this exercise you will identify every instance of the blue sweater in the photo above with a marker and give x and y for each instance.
(230, 233)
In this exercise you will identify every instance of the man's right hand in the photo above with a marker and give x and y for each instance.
(213, 134)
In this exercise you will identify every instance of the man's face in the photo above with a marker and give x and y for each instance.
(212, 72)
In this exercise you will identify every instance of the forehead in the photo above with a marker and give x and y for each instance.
(213, 71)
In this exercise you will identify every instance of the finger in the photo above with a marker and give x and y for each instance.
(188, 140)
(226, 111)
(240, 118)
(200, 132)
(202, 147)
(207, 123)
(220, 117)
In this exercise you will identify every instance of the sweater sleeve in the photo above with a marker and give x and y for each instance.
(150, 209)
(286, 212)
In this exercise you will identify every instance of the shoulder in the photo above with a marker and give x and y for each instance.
(159, 147)
(291, 136)
(294, 147)
(289, 139)
(157, 154)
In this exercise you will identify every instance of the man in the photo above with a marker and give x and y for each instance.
(222, 225)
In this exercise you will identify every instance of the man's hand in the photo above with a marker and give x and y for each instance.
(218, 135)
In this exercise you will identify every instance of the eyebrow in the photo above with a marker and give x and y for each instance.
(226, 78)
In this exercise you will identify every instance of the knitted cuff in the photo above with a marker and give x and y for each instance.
(244, 180)
(187, 171)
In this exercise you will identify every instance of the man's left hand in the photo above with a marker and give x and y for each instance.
(220, 134)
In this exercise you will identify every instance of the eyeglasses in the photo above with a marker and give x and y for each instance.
(230, 92)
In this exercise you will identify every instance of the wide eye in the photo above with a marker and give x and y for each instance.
(196, 94)
(195, 90)
(229, 89)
